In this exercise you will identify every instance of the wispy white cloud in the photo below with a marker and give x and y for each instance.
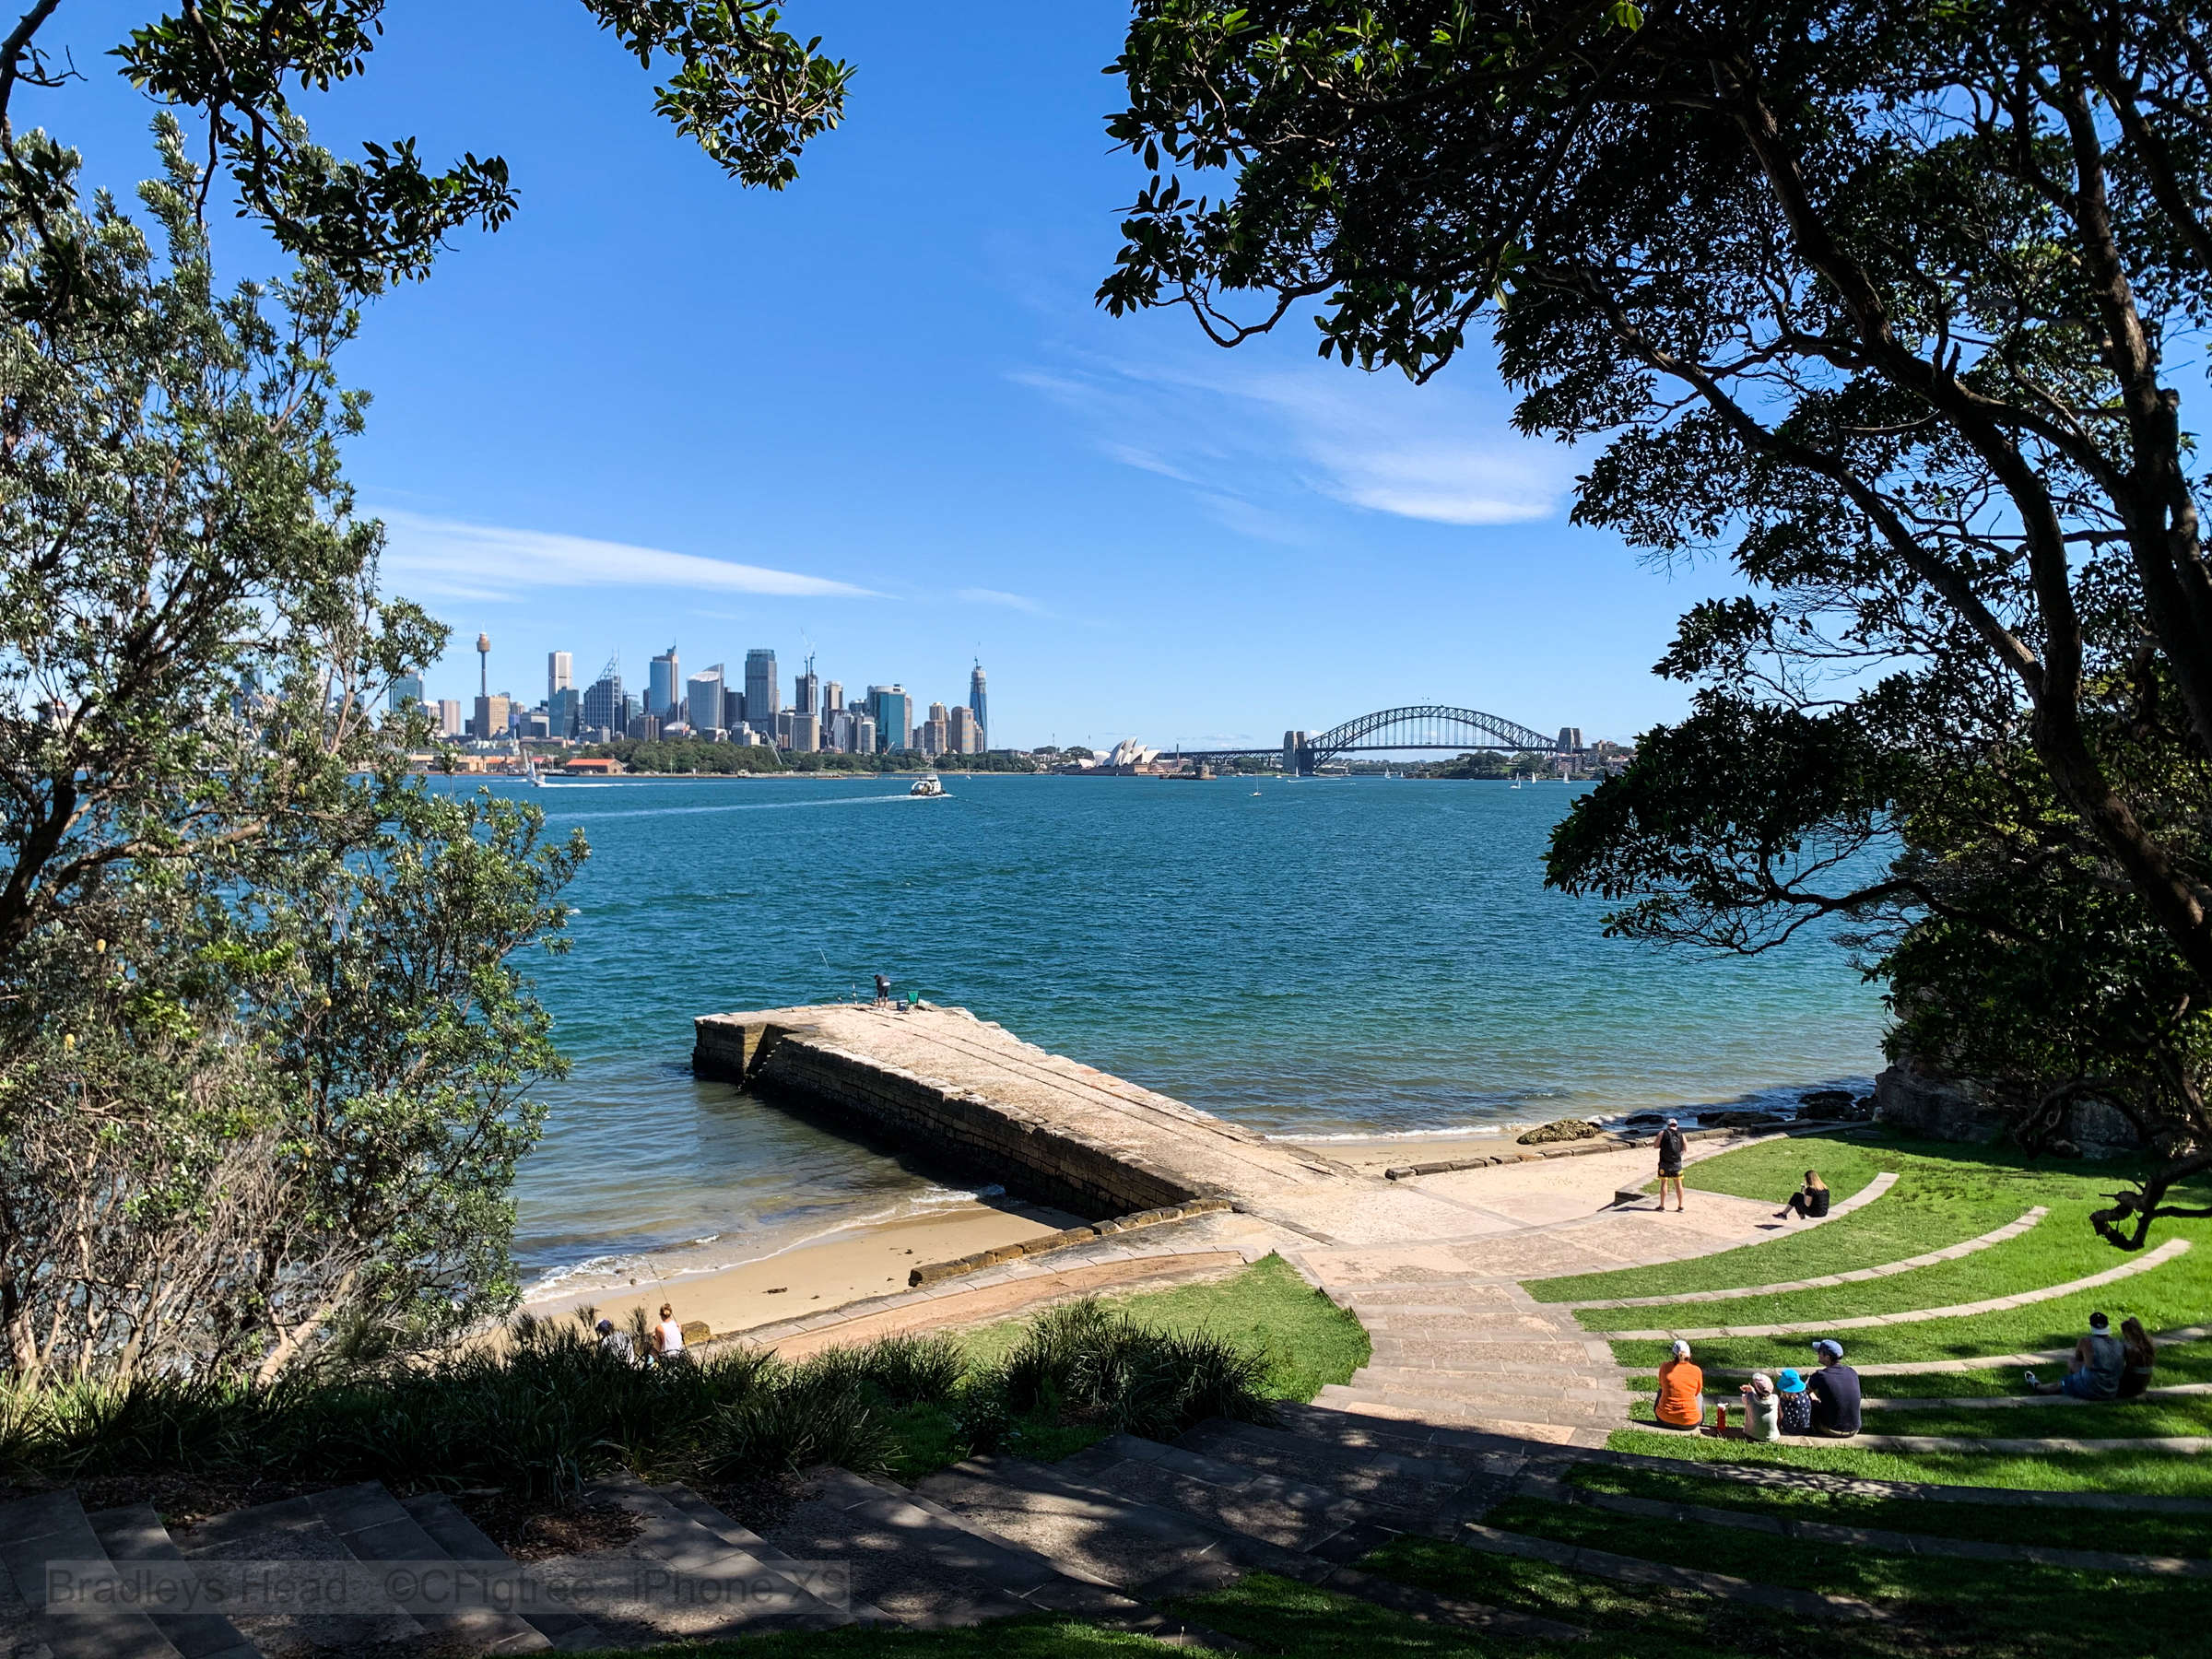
(1020, 602)
(448, 558)
(1250, 437)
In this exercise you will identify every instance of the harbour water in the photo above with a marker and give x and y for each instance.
(1320, 959)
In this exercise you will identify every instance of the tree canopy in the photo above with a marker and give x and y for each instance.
(1882, 302)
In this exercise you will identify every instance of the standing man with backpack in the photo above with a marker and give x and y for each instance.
(1670, 1162)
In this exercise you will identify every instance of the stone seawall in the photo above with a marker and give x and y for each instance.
(968, 1093)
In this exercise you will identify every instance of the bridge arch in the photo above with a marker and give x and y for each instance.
(1423, 726)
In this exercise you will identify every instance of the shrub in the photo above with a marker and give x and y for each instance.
(1106, 1368)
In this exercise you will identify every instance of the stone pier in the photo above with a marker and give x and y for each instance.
(946, 1085)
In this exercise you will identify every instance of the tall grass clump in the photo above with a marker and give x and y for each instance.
(1087, 1362)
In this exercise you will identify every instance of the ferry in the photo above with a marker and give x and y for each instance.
(927, 784)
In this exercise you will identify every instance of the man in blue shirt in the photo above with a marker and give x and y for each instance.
(1835, 1391)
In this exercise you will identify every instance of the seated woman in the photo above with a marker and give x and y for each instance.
(1681, 1401)
(1809, 1201)
(2140, 1354)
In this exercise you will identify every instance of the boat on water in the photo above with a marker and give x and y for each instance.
(927, 784)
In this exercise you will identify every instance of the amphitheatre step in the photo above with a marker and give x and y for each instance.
(135, 1532)
(1464, 1354)
(1583, 1370)
(460, 1539)
(2179, 1390)
(1634, 1570)
(1156, 1549)
(293, 1529)
(1914, 1368)
(2011, 1230)
(674, 1539)
(2038, 1447)
(1789, 1478)
(1862, 1537)
(738, 1535)
(1411, 1437)
(923, 1569)
(1994, 1304)
(52, 1527)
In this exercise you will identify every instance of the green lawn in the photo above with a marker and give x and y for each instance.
(1308, 1341)
(1929, 1209)
(1944, 1194)
(2141, 1532)
(1998, 1608)
(2118, 1420)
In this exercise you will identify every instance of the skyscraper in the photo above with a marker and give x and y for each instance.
(805, 734)
(449, 718)
(979, 705)
(833, 697)
(702, 702)
(763, 697)
(807, 692)
(564, 713)
(663, 687)
(894, 714)
(604, 707)
(962, 736)
(935, 731)
(405, 688)
(560, 674)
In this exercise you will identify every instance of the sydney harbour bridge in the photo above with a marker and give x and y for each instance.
(1393, 731)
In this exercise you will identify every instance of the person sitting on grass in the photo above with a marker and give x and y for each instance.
(1795, 1407)
(1807, 1202)
(1681, 1401)
(2093, 1373)
(1762, 1408)
(2142, 1354)
(1835, 1391)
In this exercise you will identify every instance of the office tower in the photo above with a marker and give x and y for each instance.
(702, 702)
(733, 708)
(603, 702)
(662, 686)
(805, 734)
(534, 724)
(962, 736)
(833, 697)
(405, 688)
(934, 731)
(764, 698)
(893, 711)
(564, 711)
(783, 728)
(644, 727)
(807, 692)
(448, 717)
(494, 714)
(560, 674)
(483, 664)
(863, 734)
(979, 705)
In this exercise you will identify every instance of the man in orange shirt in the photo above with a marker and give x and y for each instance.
(1681, 1403)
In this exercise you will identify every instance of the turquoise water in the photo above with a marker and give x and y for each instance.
(1321, 958)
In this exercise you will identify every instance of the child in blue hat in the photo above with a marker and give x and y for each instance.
(1796, 1405)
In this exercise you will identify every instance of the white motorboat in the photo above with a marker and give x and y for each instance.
(927, 784)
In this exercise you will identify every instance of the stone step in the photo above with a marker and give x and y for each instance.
(738, 1535)
(1158, 1549)
(1407, 1437)
(462, 1539)
(925, 1571)
(1354, 1465)
(1474, 1353)
(52, 1527)
(1568, 1388)
(293, 1529)
(1580, 1372)
(374, 1526)
(673, 1539)
(1459, 1414)
(135, 1532)
(1526, 1407)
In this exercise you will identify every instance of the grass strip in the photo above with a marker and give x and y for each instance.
(2152, 1534)
(2142, 1420)
(2159, 1474)
(1040, 1638)
(1996, 1607)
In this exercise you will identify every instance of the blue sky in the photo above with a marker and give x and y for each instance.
(880, 414)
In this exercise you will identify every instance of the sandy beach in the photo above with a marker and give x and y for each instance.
(818, 1275)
